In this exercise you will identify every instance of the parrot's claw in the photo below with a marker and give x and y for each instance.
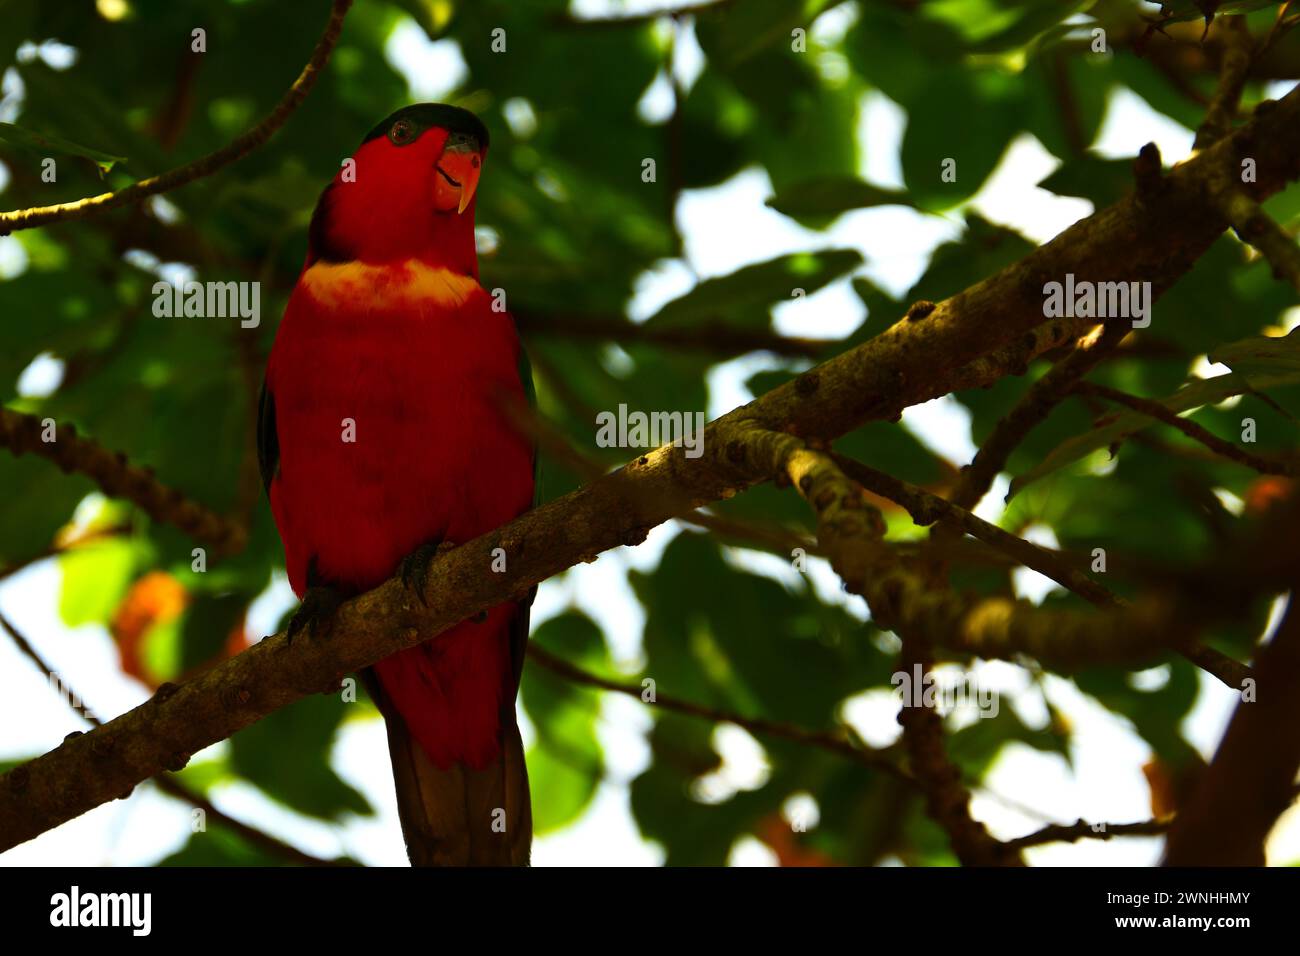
(414, 569)
(316, 613)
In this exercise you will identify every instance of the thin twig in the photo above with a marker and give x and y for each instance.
(165, 782)
(236, 149)
(769, 537)
(835, 742)
(926, 509)
(712, 338)
(1281, 25)
(946, 798)
(876, 760)
(1232, 80)
(118, 478)
(1198, 433)
(1082, 830)
(1032, 408)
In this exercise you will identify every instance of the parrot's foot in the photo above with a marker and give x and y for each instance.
(414, 569)
(316, 613)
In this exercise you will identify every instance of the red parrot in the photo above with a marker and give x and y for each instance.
(382, 437)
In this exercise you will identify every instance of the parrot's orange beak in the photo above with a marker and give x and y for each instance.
(456, 177)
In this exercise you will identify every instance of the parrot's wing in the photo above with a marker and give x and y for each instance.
(268, 442)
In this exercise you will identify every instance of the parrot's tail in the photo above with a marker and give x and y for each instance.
(459, 816)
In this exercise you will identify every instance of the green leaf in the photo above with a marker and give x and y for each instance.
(1101, 181)
(959, 123)
(566, 764)
(755, 25)
(1125, 423)
(746, 296)
(95, 578)
(1032, 19)
(1158, 714)
(218, 846)
(830, 196)
(1264, 361)
(702, 618)
(1180, 11)
(36, 503)
(206, 627)
(287, 756)
(44, 144)
(977, 745)
(981, 250)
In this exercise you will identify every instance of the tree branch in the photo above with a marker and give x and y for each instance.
(165, 782)
(118, 478)
(1233, 68)
(1198, 433)
(712, 338)
(1157, 235)
(1183, 55)
(851, 532)
(1251, 779)
(926, 509)
(1246, 216)
(1258, 228)
(1032, 408)
(946, 798)
(836, 742)
(238, 148)
(1082, 830)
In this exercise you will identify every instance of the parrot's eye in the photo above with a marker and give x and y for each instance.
(402, 132)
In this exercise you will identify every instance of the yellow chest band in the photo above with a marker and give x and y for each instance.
(387, 284)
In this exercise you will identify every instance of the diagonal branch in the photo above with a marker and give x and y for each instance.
(1082, 830)
(1243, 213)
(1034, 406)
(1233, 69)
(835, 742)
(1255, 226)
(831, 742)
(1251, 780)
(926, 508)
(1194, 431)
(712, 338)
(901, 597)
(118, 478)
(1156, 236)
(165, 782)
(946, 798)
(852, 533)
(236, 149)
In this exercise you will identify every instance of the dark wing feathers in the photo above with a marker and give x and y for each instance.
(268, 442)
